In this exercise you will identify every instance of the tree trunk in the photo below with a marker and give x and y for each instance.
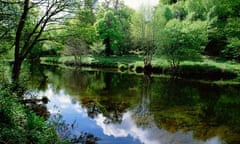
(108, 50)
(18, 59)
(16, 69)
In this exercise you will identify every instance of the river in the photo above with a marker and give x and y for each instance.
(123, 108)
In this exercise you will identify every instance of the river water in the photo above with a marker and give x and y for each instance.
(122, 108)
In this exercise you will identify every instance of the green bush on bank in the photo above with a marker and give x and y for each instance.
(20, 125)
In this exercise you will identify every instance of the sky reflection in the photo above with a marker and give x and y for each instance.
(125, 132)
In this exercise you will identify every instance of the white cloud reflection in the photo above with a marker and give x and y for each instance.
(151, 135)
(60, 102)
(128, 127)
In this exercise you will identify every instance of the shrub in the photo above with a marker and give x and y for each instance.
(20, 125)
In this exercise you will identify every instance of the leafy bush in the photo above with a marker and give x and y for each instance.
(183, 40)
(97, 48)
(20, 125)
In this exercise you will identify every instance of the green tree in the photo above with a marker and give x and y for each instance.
(109, 29)
(82, 25)
(27, 36)
(182, 41)
(232, 49)
(97, 48)
(220, 13)
(124, 16)
(120, 41)
(77, 48)
(80, 32)
(147, 25)
(9, 11)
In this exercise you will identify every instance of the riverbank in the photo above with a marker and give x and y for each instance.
(206, 69)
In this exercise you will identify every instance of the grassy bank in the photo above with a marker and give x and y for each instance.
(207, 69)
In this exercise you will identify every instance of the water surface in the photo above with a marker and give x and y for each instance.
(122, 108)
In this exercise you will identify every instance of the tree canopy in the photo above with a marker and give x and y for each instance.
(177, 30)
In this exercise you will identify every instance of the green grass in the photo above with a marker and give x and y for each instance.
(223, 65)
(132, 62)
(138, 61)
(111, 61)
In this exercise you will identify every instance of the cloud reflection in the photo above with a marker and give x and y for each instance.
(128, 127)
(151, 135)
(61, 101)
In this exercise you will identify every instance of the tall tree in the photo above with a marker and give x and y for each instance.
(144, 26)
(182, 40)
(109, 29)
(80, 31)
(25, 38)
(124, 15)
(117, 17)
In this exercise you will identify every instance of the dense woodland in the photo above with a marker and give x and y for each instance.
(174, 30)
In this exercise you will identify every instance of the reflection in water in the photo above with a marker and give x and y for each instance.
(122, 108)
(73, 111)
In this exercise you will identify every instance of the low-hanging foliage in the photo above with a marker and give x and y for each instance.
(20, 125)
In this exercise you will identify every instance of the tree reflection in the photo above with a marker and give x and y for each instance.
(179, 105)
(207, 110)
(142, 114)
(109, 90)
(112, 110)
(36, 76)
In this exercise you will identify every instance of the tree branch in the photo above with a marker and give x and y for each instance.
(20, 28)
(52, 9)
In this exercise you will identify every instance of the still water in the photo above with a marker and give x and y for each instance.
(121, 108)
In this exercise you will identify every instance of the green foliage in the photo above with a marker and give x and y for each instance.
(97, 48)
(109, 30)
(232, 50)
(36, 52)
(196, 10)
(182, 40)
(137, 29)
(124, 16)
(76, 47)
(9, 14)
(221, 17)
(81, 26)
(19, 125)
(145, 28)
(179, 11)
(80, 32)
